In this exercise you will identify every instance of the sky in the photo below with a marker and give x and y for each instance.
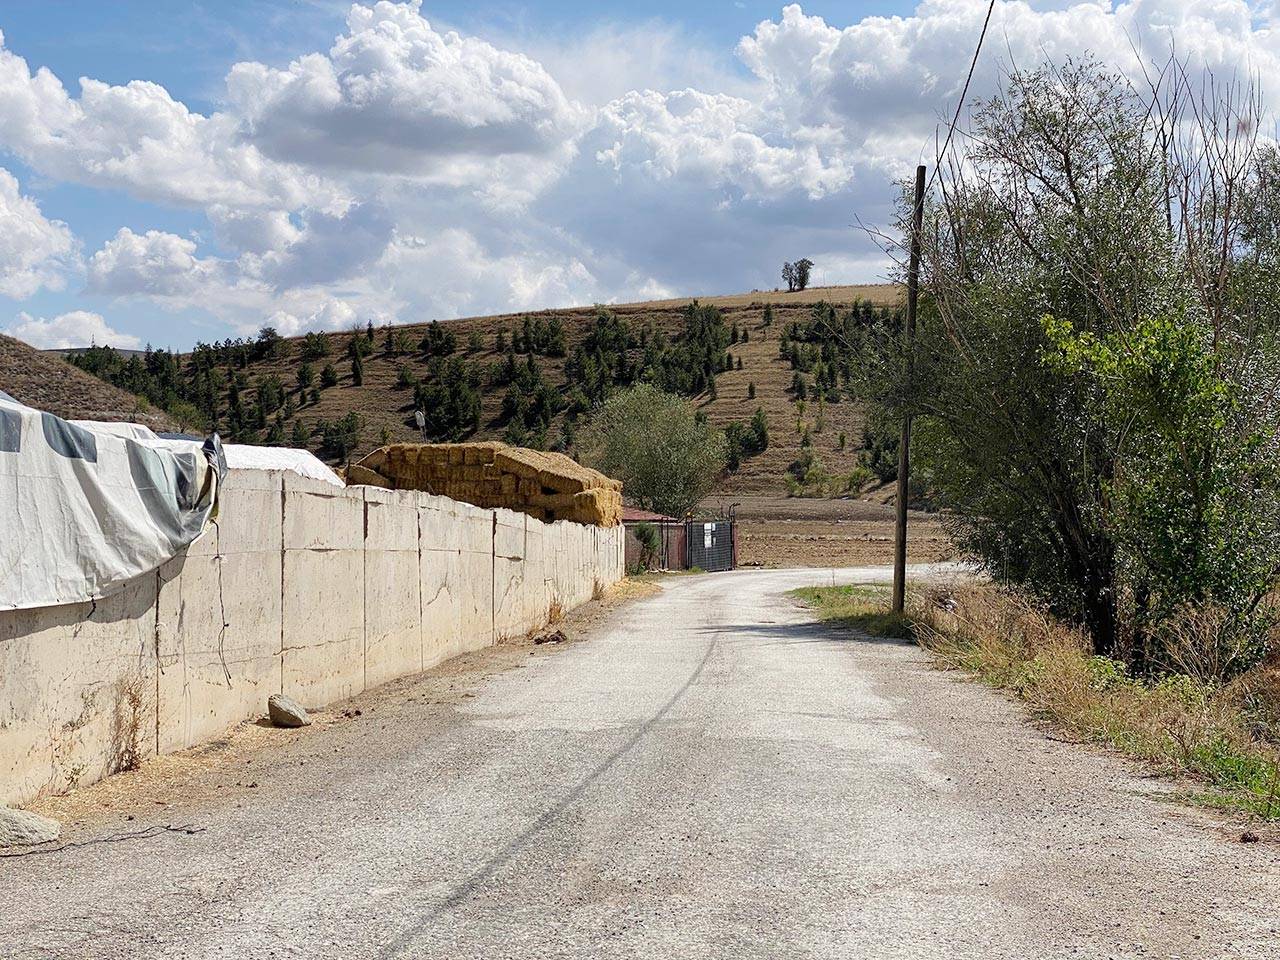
(172, 172)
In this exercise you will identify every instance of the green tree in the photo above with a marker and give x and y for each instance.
(270, 394)
(341, 436)
(798, 386)
(315, 346)
(802, 267)
(760, 430)
(270, 345)
(438, 341)
(666, 459)
(1095, 360)
(328, 376)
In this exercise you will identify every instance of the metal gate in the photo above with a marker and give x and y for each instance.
(711, 545)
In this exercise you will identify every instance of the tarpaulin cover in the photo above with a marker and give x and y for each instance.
(239, 456)
(86, 507)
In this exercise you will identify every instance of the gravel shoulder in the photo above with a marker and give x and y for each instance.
(703, 772)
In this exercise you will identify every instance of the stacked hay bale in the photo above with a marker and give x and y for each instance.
(548, 486)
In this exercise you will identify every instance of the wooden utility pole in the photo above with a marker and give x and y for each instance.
(904, 440)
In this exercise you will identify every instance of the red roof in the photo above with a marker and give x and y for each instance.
(636, 515)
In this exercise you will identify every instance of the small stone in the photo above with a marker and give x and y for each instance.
(21, 828)
(286, 712)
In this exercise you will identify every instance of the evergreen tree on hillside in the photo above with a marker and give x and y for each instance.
(315, 346)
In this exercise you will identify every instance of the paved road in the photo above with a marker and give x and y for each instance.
(710, 776)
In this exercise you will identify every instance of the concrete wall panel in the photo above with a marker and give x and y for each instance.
(77, 691)
(392, 586)
(318, 516)
(324, 603)
(218, 624)
(301, 588)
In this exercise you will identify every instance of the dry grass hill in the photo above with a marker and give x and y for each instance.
(382, 405)
(778, 528)
(47, 382)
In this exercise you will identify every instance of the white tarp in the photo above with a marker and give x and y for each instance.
(86, 507)
(239, 456)
(244, 456)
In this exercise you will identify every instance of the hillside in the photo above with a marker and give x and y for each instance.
(778, 528)
(383, 406)
(47, 382)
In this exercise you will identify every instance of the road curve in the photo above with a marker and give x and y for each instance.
(712, 775)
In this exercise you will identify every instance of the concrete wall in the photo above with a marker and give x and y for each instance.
(301, 588)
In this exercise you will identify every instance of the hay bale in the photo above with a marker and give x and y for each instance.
(357, 473)
(488, 474)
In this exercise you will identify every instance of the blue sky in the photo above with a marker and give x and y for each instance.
(314, 164)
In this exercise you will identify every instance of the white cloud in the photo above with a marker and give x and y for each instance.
(395, 96)
(719, 141)
(327, 249)
(331, 314)
(450, 273)
(78, 328)
(155, 263)
(597, 64)
(34, 252)
(409, 172)
(252, 231)
(137, 138)
(884, 83)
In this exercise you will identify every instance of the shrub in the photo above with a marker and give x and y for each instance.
(341, 436)
(652, 441)
(315, 346)
(650, 543)
(1097, 386)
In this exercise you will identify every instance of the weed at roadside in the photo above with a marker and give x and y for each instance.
(1223, 735)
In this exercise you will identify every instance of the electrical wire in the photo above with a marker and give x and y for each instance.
(964, 93)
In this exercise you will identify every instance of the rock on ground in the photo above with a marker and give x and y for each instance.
(286, 712)
(20, 828)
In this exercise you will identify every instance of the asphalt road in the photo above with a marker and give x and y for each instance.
(709, 775)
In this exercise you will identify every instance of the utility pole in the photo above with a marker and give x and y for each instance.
(904, 440)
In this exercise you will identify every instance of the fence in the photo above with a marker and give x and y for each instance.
(713, 545)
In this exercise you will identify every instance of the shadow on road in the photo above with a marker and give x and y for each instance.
(813, 631)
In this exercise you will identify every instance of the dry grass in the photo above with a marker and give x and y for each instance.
(383, 405)
(47, 382)
(1225, 737)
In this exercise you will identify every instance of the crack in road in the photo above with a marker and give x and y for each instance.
(494, 864)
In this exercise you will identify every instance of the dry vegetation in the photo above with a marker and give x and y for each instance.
(386, 409)
(47, 382)
(794, 532)
(1224, 737)
(776, 530)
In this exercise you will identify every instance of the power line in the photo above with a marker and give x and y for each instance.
(964, 93)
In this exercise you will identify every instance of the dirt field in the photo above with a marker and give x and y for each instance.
(796, 532)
